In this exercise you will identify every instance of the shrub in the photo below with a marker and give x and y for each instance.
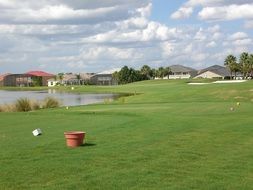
(50, 102)
(35, 105)
(7, 108)
(23, 105)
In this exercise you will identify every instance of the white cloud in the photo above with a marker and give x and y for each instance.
(200, 35)
(248, 24)
(238, 36)
(52, 13)
(216, 10)
(230, 12)
(92, 36)
(183, 12)
(211, 44)
(70, 12)
(168, 49)
(242, 42)
(153, 31)
(199, 57)
(145, 11)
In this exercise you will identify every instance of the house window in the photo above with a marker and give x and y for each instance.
(52, 83)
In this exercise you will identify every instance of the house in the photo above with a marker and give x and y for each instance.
(76, 79)
(20, 80)
(181, 72)
(103, 79)
(32, 78)
(40, 78)
(214, 72)
(2, 77)
(52, 82)
(69, 79)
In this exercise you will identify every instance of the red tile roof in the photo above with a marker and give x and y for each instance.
(40, 74)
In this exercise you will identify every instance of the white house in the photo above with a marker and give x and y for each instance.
(52, 82)
(181, 72)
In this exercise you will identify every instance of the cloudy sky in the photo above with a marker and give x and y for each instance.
(94, 35)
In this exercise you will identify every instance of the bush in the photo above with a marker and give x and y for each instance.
(8, 108)
(35, 105)
(23, 105)
(50, 102)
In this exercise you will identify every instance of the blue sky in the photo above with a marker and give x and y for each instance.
(161, 11)
(94, 36)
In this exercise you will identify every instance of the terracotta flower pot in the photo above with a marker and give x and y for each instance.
(74, 138)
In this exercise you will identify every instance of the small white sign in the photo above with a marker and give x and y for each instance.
(37, 132)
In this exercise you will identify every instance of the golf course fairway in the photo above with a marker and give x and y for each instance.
(167, 135)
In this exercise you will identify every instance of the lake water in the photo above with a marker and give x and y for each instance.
(65, 98)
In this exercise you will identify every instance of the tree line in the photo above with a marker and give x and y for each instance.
(244, 65)
(129, 75)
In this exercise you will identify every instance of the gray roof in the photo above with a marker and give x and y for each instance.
(217, 69)
(180, 68)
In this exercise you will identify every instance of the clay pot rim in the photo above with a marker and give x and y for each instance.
(74, 132)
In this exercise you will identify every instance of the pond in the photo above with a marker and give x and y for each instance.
(65, 98)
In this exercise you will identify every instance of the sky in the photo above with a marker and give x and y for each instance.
(95, 36)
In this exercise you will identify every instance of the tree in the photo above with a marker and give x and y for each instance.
(244, 64)
(162, 72)
(60, 77)
(153, 71)
(123, 75)
(230, 63)
(78, 77)
(146, 72)
(115, 76)
(251, 64)
(167, 72)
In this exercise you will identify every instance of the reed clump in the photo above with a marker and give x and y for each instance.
(26, 105)
(23, 105)
(51, 102)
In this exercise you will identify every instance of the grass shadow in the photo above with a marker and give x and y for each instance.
(88, 144)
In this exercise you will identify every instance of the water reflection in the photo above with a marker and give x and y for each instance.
(66, 99)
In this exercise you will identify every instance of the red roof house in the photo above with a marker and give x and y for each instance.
(42, 76)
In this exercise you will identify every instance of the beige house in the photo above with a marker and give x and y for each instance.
(214, 72)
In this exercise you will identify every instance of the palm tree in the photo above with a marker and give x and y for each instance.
(60, 77)
(244, 64)
(167, 72)
(230, 63)
(160, 72)
(146, 72)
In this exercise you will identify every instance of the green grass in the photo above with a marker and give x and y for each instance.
(170, 136)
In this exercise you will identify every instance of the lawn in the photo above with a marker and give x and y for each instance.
(169, 135)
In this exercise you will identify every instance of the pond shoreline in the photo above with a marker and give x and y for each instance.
(67, 98)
